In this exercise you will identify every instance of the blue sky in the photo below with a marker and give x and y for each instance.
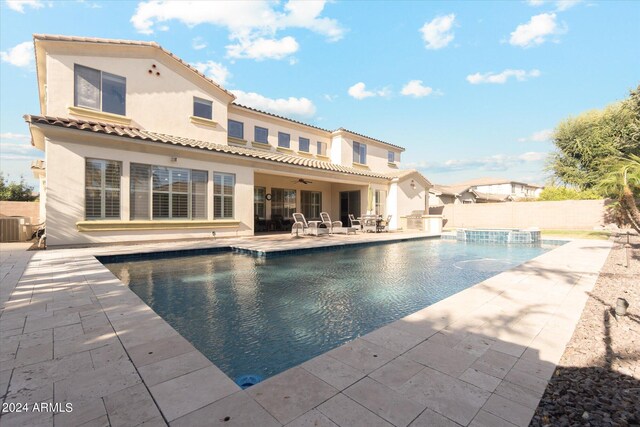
(470, 89)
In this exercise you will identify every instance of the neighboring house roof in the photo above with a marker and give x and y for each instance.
(144, 135)
(448, 190)
(51, 37)
(405, 173)
(491, 181)
(488, 197)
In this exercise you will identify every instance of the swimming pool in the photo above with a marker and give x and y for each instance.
(261, 316)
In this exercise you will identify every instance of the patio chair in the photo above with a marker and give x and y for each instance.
(356, 223)
(370, 223)
(301, 224)
(384, 225)
(326, 220)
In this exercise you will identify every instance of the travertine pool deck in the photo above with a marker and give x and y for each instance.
(72, 332)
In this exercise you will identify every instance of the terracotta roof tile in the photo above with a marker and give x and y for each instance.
(144, 135)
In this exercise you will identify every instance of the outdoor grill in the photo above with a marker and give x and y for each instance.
(414, 220)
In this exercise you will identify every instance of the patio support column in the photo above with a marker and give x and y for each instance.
(392, 204)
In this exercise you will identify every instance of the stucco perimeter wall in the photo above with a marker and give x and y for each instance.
(562, 215)
(28, 209)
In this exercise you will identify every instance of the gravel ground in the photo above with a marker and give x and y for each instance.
(597, 382)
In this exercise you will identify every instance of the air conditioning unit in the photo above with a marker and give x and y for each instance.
(14, 229)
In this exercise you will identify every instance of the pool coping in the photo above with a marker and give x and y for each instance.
(169, 375)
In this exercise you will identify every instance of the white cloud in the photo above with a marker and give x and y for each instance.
(561, 5)
(438, 33)
(329, 97)
(539, 136)
(416, 89)
(214, 70)
(359, 91)
(19, 5)
(537, 31)
(9, 136)
(501, 78)
(532, 156)
(252, 25)
(198, 43)
(302, 107)
(496, 162)
(261, 48)
(20, 55)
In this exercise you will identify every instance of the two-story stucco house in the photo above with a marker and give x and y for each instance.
(141, 146)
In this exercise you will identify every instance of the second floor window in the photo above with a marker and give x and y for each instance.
(304, 144)
(359, 153)
(236, 129)
(261, 135)
(321, 148)
(203, 108)
(391, 156)
(284, 140)
(99, 90)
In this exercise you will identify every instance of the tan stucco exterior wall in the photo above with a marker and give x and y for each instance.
(161, 103)
(65, 186)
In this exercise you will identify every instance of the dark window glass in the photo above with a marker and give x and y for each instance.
(261, 135)
(114, 90)
(284, 140)
(304, 144)
(203, 108)
(236, 129)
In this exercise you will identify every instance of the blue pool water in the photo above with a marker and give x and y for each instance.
(261, 316)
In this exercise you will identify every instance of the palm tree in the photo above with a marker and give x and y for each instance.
(620, 183)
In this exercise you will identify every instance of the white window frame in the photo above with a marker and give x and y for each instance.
(225, 199)
(103, 189)
(76, 101)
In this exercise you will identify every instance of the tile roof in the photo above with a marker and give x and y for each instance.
(490, 181)
(144, 135)
(51, 37)
(368, 137)
(235, 104)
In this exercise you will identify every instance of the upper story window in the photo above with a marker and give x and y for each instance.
(303, 144)
(513, 188)
(359, 153)
(391, 156)
(284, 140)
(102, 189)
(99, 90)
(321, 148)
(202, 108)
(261, 135)
(236, 129)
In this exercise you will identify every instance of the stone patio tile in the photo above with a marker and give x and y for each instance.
(397, 372)
(50, 371)
(83, 412)
(313, 418)
(495, 363)
(154, 422)
(431, 418)
(38, 323)
(332, 371)
(97, 383)
(539, 369)
(155, 351)
(475, 344)
(12, 323)
(69, 331)
(95, 322)
(144, 332)
(4, 380)
(385, 402)
(507, 347)
(107, 354)
(31, 419)
(393, 339)
(509, 410)
(347, 413)
(526, 380)
(75, 302)
(453, 398)
(291, 393)
(237, 410)
(420, 328)
(84, 342)
(158, 372)
(179, 396)
(33, 354)
(448, 338)
(9, 350)
(442, 358)
(519, 394)
(32, 393)
(480, 379)
(362, 355)
(487, 419)
(131, 406)
(102, 421)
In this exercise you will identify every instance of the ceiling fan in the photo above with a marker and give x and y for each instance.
(303, 181)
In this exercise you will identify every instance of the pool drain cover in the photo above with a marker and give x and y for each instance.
(245, 381)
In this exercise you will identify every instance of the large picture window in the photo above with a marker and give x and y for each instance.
(102, 189)
(223, 194)
(311, 204)
(99, 90)
(158, 192)
(359, 153)
(283, 202)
